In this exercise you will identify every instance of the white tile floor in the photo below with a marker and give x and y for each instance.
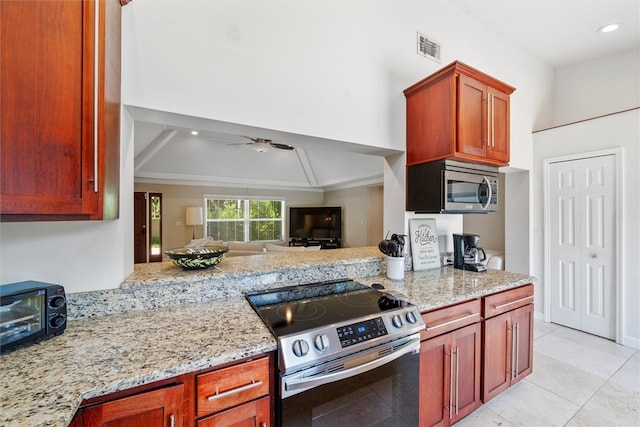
(578, 380)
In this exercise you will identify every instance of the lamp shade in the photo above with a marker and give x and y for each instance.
(194, 216)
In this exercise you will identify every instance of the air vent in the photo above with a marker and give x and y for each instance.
(428, 47)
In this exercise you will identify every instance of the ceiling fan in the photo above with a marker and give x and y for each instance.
(262, 144)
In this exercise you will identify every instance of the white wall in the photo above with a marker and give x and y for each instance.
(586, 89)
(360, 213)
(329, 69)
(579, 92)
(80, 255)
(620, 130)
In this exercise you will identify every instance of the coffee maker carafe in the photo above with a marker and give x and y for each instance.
(467, 255)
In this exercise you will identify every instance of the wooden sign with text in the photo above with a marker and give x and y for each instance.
(425, 251)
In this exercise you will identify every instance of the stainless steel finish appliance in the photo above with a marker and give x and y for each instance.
(467, 255)
(339, 343)
(29, 312)
(448, 186)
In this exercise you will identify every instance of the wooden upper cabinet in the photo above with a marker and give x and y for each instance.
(60, 103)
(459, 113)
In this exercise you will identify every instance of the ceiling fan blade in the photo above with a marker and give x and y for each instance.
(281, 146)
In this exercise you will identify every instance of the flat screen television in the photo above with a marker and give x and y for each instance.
(315, 222)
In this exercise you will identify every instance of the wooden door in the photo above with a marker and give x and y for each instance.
(496, 352)
(498, 148)
(472, 117)
(435, 381)
(139, 227)
(161, 407)
(465, 359)
(252, 414)
(582, 244)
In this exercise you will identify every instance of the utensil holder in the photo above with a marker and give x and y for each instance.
(395, 267)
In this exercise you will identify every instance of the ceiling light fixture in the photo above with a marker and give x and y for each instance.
(261, 147)
(608, 28)
(194, 132)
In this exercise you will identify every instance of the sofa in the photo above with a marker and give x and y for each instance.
(251, 248)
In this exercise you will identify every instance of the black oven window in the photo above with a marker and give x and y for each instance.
(385, 396)
(21, 317)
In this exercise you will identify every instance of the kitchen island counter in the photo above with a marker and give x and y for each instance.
(45, 383)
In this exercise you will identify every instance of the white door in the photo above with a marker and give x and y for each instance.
(582, 244)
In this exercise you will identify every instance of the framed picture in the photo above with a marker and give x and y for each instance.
(425, 251)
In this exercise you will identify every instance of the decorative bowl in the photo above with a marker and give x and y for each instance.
(197, 258)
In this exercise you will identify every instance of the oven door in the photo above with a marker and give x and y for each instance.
(382, 390)
(22, 318)
(468, 192)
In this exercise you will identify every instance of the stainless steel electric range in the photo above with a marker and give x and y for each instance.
(343, 349)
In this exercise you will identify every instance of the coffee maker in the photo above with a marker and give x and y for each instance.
(467, 255)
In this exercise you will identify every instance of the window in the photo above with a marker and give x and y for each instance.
(244, 220)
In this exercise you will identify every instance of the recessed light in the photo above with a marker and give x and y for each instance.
(194, 132)
(608, 28)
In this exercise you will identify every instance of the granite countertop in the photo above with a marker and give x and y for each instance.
(131, 344)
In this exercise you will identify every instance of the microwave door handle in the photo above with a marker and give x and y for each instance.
(486, 206)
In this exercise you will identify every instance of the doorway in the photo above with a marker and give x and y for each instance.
(147, 225)
(582, 242)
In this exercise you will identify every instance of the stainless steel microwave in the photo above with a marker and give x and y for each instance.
(29, 312)
(448, 186)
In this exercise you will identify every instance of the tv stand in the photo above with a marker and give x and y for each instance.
(327, 243)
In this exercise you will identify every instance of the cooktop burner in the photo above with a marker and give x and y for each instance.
(296, 309)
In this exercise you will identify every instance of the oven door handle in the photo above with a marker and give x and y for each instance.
(411, 345)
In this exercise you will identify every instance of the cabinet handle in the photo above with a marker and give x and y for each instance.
(469, 316)
(234, 390)
(517, 371)
(263, 424)
(96, 73)
(513, 350)
(498, 307)
(492, 121)
(486, 131)
(457, 371)
(451, 385)
(172, 421)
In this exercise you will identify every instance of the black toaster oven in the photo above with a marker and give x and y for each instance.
(29, 312)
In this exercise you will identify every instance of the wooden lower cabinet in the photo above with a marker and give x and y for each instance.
(253, 414)
(162, 407)
(507, 350)
(235, 395)
(450, 376)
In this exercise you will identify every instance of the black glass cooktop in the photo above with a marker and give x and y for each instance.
(297, 309)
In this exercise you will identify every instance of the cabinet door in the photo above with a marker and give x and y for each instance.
(522, 320)
(465, 361)
(496, 369)
(472, 117)
(47, 167)
(498, 147)
(252, 414)
(60, 121)
(435, 381)
(162, 407)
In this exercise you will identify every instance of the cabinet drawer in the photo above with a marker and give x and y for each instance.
(231, 386)
(255, 413)
(450, 318)
(502, 302)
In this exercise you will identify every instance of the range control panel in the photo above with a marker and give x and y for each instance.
(323, 344)
(361, 332)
